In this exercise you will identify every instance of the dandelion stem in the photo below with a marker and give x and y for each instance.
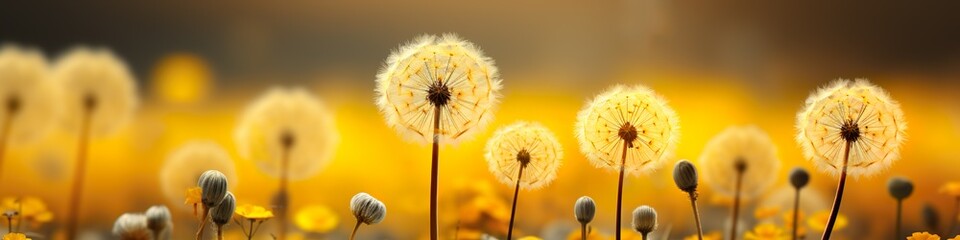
(354, 233)
(696, 214)
(513, 210)
(736, 206)
(9, 224)
(434, 172)
(282, 192)
(4, 134)
(219, 232)
(203, 222)
(583, 231)
(643, 236)
(623, 163)
(796, 214)
(899, 215)
(80, 169)
(836, 201)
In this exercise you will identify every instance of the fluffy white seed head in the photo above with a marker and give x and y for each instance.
(857, 112)
(737, 149)
(644, 219)
(95, 80)
(29, 98)
(584, 209)
(632, 116)
(214, 186)
(367, 209)
(444, 72)
(526, 144)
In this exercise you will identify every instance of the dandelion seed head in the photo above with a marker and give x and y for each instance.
(635, 116)
(745, 149)
(524, 144)
(130, 226)
(444, 72)
(95, 80)
(187, 163)
(28, 96)
(851, 111)
(291, 121)
(367, 209)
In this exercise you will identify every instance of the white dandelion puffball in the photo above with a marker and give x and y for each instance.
(632, 116)
(184, 166)
(95, 77)
(524, 144)
(28, 97)
(746, 145)
(851, 111)
(287, 121)
(445, 73)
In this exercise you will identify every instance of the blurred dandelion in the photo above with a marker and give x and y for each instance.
(850, 126)
(439, 89)
(255, 216)
(29, 97)
(99, 96)
(766, 231)
(740, 161)
(290, 134)
(367, 209)
(316, 219)
(900, 188)
(183, 167)
(131, 226)
(523, 146)
(632, 118)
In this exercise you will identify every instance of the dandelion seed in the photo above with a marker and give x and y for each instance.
(850, 127)
(519, 148)
(28, 98)
(742, 162)
(99, 95)
(900, 188)
(130, 226)
(440, 89)
(367, 210)
(289, 134)
(633, 119)
(644, 220)
(183, 167)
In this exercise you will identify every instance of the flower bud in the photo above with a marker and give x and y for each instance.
(584, 209)
(685, 176)
(214, 186)
(799, 177)
(367, 209)
(222, 214)
(899, 187)
(131, 226)
(644, 219)
(158, 219)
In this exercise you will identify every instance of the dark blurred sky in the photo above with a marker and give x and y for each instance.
(579, 40)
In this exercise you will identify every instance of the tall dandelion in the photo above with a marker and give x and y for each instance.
(523, 146)
(850, 127)
(183, 167)
(290, 135)
(27, 97)
(99, 96)
(439, 89)
(634, 119)
(740, 161)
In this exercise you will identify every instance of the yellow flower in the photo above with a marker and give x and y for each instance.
(748, 145)
(854, 112)
(766, 231)
(316, 218)
(954, 238)
(950, 188)
(788, 222)
(923, 236)
(706, 236)
(819, 221)
(194, 195)
(446, 74)
(632, 118)
(15, 236)
(531, 238)
(528, 145)
(766, 212)
(254, 212)
(31, 209)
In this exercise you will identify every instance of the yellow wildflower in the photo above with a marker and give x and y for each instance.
(15, 236)
(766, 212)
(819, 221)
(950, 188)
(923, 236)
(254, 212)
(591, 235)
(531, 238)
(31, 209)
(194, 195)
(766, 231)
(707, 236)
(316, 218)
